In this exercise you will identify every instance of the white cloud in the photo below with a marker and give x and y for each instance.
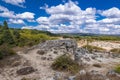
(25, 15)
(70, 18)
(67, 17)
(43, 20)
(3, 8)
(18, 21)
(29, 16)
(112, 12)
(4, 12)
(110, 20)
(69, 8)
(15, 2)
(7, 14)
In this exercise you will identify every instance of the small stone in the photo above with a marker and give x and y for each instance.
(82, 72)
(43, 58)
(41, 52)
(25, 71)
(15, 63)
(71, 77)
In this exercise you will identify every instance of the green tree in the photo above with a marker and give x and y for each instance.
(5, 27)
(7, 37)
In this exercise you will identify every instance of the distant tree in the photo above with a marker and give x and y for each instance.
(0, 26)
(0, 29)
(5, 26)
(7, 37)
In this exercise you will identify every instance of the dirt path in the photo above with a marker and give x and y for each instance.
(44, 71)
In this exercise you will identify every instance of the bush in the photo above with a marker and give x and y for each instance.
(117, 69)
(65, 63)
(115, 50)
(5, 51)
(93, 48)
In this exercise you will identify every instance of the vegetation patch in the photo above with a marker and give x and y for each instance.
(93, 48)
(115, 50)
(5, 51)
(65, 63)
(23, 37)
(117, 69)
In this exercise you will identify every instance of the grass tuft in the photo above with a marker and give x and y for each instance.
(93, 48)
(65, 63)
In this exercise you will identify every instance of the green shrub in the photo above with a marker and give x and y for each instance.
(65, 63)
(93, 48)
(5, 51)
(117, 69)
(115, 50)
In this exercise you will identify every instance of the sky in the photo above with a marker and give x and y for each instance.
(63, 16)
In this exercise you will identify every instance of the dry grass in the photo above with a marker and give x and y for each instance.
(65, 63)
(93, 48)
(115, 50)
(117, 69)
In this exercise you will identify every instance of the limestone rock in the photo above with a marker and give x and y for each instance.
(67, 45)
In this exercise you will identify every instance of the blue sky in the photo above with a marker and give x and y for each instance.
(63, 16)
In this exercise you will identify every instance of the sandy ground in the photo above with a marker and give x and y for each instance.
(103, 44)
(106, 45)
(44, 72)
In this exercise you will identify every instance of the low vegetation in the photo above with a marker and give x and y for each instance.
(5, 51)
(117, 69)
(65, 63)
(115, 50)
(20, 38)
(93, 48)
(92, 37)
(23, 37)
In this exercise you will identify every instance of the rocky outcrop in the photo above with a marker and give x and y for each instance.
(68, 46)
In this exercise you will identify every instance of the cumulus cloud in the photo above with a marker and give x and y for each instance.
(18, 21)
(3, 8)
(70, 18)
(15, 2)
(14, 18)
(26, 15)
(111, 13)
(43, 20)
(4, 12)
